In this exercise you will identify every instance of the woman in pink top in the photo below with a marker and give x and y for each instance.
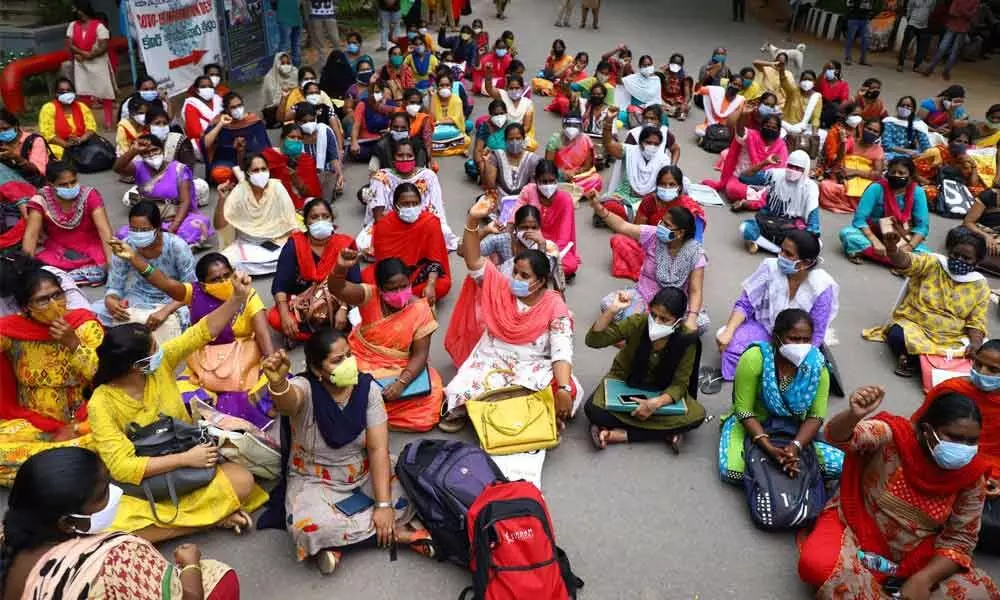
(556, 206)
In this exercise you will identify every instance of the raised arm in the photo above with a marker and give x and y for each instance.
(491, 90)
(611, 146)
(219, 217)
(346, 291)
(470, 239)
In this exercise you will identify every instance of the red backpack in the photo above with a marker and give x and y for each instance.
(514, 553)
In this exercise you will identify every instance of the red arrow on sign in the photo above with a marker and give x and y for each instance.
(191, 59)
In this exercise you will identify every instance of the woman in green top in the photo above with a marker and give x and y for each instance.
(781, 389)
(659, 355)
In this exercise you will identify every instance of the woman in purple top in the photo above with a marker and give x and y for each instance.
(170, 185)
(792, 280)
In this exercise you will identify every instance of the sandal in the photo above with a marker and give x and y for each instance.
(710, 382)
(452, 425)
(597, 437)
(675, 443)
(236, 521)
(904, 368)
(422, 544)
(855, 258)
(327, 561)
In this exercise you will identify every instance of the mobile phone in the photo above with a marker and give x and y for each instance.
(354, 504)
(632, 398)
(269, 245)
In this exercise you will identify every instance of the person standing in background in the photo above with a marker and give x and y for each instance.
(323, 26)
(388, 11)
(957, 25)
(859, 17)
(918, 15)
(739, 10)
(565, 12)
(290, 24)
(87, 42)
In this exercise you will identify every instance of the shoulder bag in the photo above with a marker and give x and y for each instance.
(514, 419)
(231, 367)
(316, 307)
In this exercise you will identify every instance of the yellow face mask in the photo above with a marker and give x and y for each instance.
(52, 312)
(219, 289)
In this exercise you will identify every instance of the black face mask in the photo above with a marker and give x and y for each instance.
(896, 182)
(732, 91)
(873, 94)
(769, 134)
(956, 148)
(869, 137)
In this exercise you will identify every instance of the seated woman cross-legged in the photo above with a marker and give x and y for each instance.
(556, 208)
(791, 204)
(525, 233)
(236, 134)
(573, 153)
(909, 507)
(135, 384)
(512, 331)
(660, 355)
(393, 340)
(861, 166)
(792, 280)
(944, 303)
(752, 154)
(57, 542)
(781, 388)
(335, 447)
(983, 219)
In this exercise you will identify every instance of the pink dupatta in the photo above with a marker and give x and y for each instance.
(757, 150)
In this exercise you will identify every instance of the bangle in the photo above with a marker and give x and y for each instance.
(148, 271)
(471, 230)
(693, 312)
(187, 568)
(759, 437)
(288, 386)
(797, 444)
(383, 505)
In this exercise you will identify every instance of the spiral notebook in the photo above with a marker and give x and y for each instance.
(620, 397)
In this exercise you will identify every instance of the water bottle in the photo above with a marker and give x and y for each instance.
(877, 563)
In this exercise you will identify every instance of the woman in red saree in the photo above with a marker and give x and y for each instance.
(393, 341)
(556, 206)
(414, 236)
(293, 166)
(909, 507)
(305, 260)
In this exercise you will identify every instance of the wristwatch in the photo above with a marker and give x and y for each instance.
(383, 505)
(566, 388)
(797, 444)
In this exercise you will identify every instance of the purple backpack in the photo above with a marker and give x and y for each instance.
(442, 479)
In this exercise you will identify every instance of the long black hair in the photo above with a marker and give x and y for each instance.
(123, 346)
(387, 268)
(29, 285)
(948, 408)
(208, 261)
(317, 347)
(14, 265)
(683, 219)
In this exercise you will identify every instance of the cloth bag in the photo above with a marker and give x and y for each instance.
(94, 155)
(514, 419)
(935, 369)
(231, 367)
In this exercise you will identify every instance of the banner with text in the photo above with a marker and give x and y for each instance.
(176, 38)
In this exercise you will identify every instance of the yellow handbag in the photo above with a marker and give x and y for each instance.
(514, 419)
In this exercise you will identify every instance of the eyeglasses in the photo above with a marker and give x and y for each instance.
(340, 358)
(43, 301)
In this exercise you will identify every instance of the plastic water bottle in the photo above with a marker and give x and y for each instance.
(878, 563)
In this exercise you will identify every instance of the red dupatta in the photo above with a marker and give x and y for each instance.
(890, 207)
(85, 34)
(305, 167)
(989, 406)
(308, 269)
(62, 126)
(920, 472)
(413, 243)
(492, 307)
(22, 328)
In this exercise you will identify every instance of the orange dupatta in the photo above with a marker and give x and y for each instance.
(308, 269)
(383, 342)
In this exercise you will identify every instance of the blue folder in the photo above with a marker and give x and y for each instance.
(615, 390)
(420, 386)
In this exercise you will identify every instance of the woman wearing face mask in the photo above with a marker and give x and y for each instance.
(841, 140)
(942, 158)
(74, 224)
(393, 341)
(334, 423)
(989, 130)
(643, 88)
(594, 109)
(200, 109)
(312, 91)
(868, 98)
(519, 109)
(279, 81)
(860, 168)
(450, 126)
(463, 45)
(720, 103)
(508, 170)
(254, 217)
(424, 65)
(234, 135)
(776, 78)
(792, 280)
(555, 63)
(942, 309)
(904, 134)
(131, 127)
(752, 155)
(897, 196)
(25, 152)
(945, 112)
(170, 185)
(791, 201)
(87, 41)
(353, 53)
(749, 88)
(499, 62)
(579, 91)
(983, 219)
(803, 104)
(782, 386)
(65, 121)
(526, 234)
(910, 503)
(399, 130)
(413, 234)
(135, 384)
(176, 146)
(678, 88)
(370, 118)
(491, 135)
(642, 163)
(14, 267)
(509, 331)
(653, 116)
(362, 79)
(295, 168)
(146, 91)
(47, 357)
(835, 91)
(575, 74)
(398, 75)
(573, 154)
(556, 206)
(61, 506)
(673, 377)
(321, 142)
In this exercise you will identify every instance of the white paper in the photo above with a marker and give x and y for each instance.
(524, 465)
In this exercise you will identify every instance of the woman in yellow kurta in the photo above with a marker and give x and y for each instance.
(131, 127)
(450, 131)
(65, 121)
(135, 384)
(47, 357)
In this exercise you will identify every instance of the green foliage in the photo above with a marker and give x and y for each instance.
(355, 8)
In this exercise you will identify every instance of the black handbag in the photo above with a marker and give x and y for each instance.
(94, 155)
(164, 437)
(989, 532)
(717, 138)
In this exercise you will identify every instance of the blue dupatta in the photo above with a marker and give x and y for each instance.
(800, 395)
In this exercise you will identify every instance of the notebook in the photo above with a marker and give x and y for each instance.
(616, 399)
(420, 386)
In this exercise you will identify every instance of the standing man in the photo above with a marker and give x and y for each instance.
(290, 25)
(960, 16)
(918, 15)
(858, 16)
(388, 11)
(323, 25)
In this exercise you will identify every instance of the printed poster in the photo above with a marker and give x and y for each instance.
(176, 39)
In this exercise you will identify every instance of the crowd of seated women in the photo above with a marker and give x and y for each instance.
(77, 374)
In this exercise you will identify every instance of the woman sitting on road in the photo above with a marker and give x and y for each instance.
(519, 109)
(678, 88)
(983, 219)
(236, 134)
(498, 60)
(512, 331)
(490, 135)
(296, 169)
(642, 163)
(393, 341)
(22, 150)
(135, 385)
(65, 121)
(898, 197)
(55, 541)
(201, 110)
(320, 142)
(526, 234)
(720, 103)
(782, 387)
(74, 224)
(573, 154)
(169, 185)
(450, 126)
(131, 127)
(306, 261)
(370, 119)
(861, 167)
(944, 304)
(803, 104)
(792, 280)
(555, 63)
(254, 218)
(910, 503)
(278, 83)
(509, 169)
(945, 112)
(558, 218)
(660, 354)
(398, 75)
(400, 129)
(627, 255)
(177, 146)
(576, 75)
(904, 134)
(672, 257)
(751, 154)
(642, 89)
(335, 446)
(791, 202)
(840, 142)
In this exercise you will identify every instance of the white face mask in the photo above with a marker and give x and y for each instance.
(499, 120)
(647, 71)
(658, 331)
(66, 98)
(238, 113)
(160, 131)
(314, 99)
(795, 353)
(140, 118)
(409, 214)
(571, 132)
(309, 127)
(806, 85)
(155, 161)
(853, 121)
(444, 92)
(667, 194)
(529, 244)
(791, 175)
(206, 93)
(377, 96)
(412, 109)
(216, 80)
(102, 519)
(548, 189)
(260, 178)
(904, 112)
(674, 68)
(649, 151)
(285, 69)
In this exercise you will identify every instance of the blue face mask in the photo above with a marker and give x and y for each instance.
(987, 383)
(663, 234)
(501, 52)
(952, 455)
(150, 364)
(141, 239)
(520, 288)
(148, 95)
(787, 266)
(8, 135)
(68, 193)
(353, 48)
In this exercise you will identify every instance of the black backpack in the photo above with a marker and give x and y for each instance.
(717, 138)
(35, 180)
(776, 501)
(442, 479)
(93, 156)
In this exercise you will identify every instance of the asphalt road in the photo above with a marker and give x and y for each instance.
(637, 522)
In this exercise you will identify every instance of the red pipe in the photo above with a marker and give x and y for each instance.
(15, 73)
